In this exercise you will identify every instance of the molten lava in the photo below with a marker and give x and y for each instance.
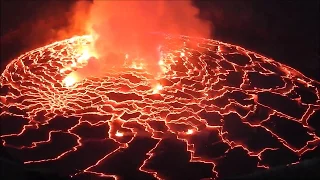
(216, 107)
(119, 134)
(70, 80)
(157, 88)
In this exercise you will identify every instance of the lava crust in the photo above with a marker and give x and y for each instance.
(219, 110)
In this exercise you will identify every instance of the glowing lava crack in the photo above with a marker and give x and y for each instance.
(216, 105)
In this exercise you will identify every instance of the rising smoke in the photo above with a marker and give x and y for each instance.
(37, 23)
(118, 27)
(125, 26)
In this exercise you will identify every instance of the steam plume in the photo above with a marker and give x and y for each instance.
(122, 28)
(125, 26)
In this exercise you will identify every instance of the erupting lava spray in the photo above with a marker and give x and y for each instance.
(212, 105)
(122, 32)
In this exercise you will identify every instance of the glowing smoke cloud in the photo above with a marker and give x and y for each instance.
(125, 26)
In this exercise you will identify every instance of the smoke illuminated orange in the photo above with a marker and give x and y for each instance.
(123, 27)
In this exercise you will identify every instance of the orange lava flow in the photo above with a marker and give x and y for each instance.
(214, 99)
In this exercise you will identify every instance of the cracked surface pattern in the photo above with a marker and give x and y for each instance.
(217, 105)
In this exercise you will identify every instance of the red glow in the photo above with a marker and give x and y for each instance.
(196, 83)
(125, 27)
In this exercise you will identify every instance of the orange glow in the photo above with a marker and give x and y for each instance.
(62, 70)
(190, 131)
(157, 88)
(192, 104)
(86, 53)
(161, 63)
(162, 66)
(74, 64)
(125, 27)
(136, 65)
(119, 134)
(85, 56)
(71, 79)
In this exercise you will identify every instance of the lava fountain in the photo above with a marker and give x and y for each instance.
(214, 104)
